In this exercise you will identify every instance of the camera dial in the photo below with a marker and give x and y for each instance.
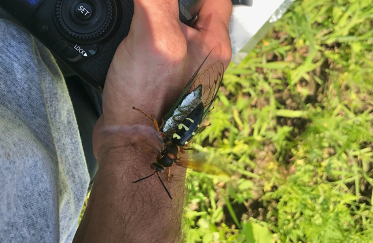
(85, 20)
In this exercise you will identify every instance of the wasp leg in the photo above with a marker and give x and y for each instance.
(188, 149)
(175, 118)
(162, 123)
(169, 176)
(189, 108)
(162, 133)
(202, 128)
(155, 123)
(208, 112)
(182, 150)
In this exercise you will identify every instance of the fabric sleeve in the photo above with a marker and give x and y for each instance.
(43, 176)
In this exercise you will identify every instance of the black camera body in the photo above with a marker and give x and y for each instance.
(83, 34)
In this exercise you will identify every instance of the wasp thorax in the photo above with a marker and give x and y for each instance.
(166, 161)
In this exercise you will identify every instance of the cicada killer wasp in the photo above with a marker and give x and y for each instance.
(183, 120)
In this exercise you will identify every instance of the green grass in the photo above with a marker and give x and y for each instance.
(294, 123)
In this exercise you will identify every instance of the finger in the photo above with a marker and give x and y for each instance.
(155, 15)
(213, 23)
(214, 14)
(155, 25)
(218, 10)
(211, 30)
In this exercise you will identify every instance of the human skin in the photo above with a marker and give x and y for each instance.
(149, 70)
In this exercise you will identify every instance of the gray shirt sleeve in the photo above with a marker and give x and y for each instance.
(43, 175)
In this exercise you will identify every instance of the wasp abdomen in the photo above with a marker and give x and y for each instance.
(189, 103)
(185, 130)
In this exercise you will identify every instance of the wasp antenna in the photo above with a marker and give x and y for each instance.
(164, 186)
(144, 178)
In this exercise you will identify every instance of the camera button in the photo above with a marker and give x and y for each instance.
(61, 46)
(42, 27)
(72, 55)
(83, 11)
(68, 52)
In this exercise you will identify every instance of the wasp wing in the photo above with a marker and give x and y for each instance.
(186, 89)
(204, 162)
(210, 79)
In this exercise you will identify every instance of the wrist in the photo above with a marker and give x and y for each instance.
(113, 138)
(118, 209)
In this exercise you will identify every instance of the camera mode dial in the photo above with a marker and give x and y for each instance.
(85, 20)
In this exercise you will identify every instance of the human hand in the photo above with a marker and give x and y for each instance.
(155, 61)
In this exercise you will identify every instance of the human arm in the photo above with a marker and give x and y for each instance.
(149, 70)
